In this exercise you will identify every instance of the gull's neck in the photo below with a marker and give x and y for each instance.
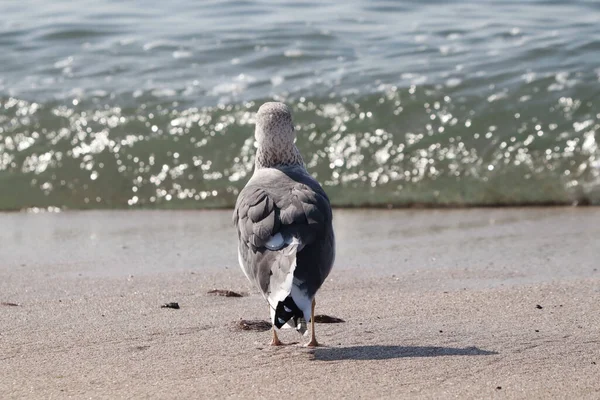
(270, 157)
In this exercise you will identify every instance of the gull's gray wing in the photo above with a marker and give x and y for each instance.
(284, 223)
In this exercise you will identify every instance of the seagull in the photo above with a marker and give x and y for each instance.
(286, 243)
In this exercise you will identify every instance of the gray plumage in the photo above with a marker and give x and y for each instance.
(284, 222)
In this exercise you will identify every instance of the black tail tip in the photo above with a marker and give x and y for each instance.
(285, 311)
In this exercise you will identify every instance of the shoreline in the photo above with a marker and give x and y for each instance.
(358, 207)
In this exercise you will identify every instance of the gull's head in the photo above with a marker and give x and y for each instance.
(275, 137)
(274, 126)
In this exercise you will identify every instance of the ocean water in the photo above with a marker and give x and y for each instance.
(110, 104)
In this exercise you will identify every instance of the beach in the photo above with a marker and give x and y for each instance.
(458, 144)
(473, 303)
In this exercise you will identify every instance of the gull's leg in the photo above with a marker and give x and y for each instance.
(313, 340)
(275, 341)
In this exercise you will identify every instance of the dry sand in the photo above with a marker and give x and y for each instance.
(438, 304)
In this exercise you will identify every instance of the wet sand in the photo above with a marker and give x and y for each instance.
(469, 303)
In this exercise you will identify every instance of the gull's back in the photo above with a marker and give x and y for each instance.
(286, 240)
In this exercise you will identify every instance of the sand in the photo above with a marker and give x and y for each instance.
(483, 303)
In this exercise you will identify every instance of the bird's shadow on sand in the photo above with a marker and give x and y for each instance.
(390, 352)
